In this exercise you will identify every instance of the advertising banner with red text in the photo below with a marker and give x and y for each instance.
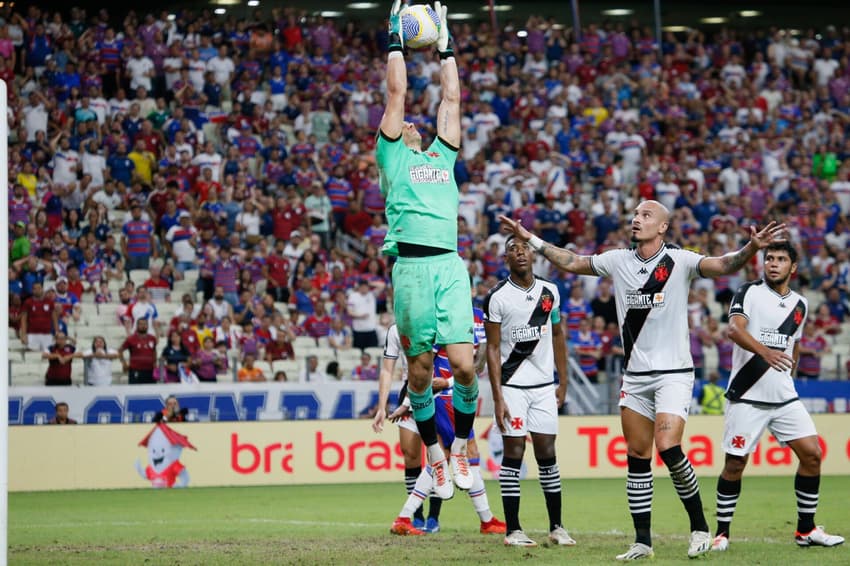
(338, 451)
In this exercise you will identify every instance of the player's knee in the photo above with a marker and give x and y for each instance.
(463, 373)
(811, 459)
(734, 466)
(514, 450)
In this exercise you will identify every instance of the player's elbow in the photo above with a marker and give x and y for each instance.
(452, 95)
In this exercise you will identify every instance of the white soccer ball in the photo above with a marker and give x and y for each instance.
(420, 25)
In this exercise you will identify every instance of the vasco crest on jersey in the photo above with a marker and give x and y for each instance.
(546, 302)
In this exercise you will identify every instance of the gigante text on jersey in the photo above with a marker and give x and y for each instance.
(639, 300)
(527, 333)
(428, 174)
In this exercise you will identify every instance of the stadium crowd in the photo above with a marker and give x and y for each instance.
(236, 154)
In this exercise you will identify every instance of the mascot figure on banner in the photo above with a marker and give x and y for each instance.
(164, 469)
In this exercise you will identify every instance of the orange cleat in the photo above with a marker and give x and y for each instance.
(493, 527)
(402, 526)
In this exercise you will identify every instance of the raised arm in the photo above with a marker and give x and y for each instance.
(734, 261)
(393, 119)
(563, 259)
(448, 113)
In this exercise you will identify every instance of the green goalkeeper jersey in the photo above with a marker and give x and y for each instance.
(420, 192)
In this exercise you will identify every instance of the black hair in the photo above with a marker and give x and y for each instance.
(780, 247)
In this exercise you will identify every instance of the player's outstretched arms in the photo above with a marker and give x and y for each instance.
(393, 119)
(738, 333)
(448, 113)
(563, 259)
(734, 261)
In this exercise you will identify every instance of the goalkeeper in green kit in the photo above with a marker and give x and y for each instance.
(431, 288)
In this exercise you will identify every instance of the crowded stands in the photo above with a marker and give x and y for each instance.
(215, 178)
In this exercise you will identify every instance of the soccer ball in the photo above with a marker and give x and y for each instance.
(420, 25)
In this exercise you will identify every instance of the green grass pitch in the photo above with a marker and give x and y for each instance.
(349, 524)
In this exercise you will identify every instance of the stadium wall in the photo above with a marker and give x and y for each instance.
(338, 451)
(276, 401)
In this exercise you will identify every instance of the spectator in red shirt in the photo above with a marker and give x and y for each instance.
(318, 324)
(38, 320)
(60, 356)
(277, 270)
(280, 348)
(142, 348)
(357, 221)
(61, 417)
(159, 288)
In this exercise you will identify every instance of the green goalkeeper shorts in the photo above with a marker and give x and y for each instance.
(432, 301)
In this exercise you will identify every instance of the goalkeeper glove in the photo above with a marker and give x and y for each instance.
(445, 45)
(396, 39)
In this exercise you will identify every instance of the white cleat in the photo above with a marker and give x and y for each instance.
(460, 471)
(818, 537)
(720, 544)
(518, 538)
(443, 486)
(700, 543)
(561, 537)
(637, 551)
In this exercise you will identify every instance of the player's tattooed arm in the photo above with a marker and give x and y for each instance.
(566, 260)
(734, 261)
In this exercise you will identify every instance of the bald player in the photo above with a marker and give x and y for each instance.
(651, 283)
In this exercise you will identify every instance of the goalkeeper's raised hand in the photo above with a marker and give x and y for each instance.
(396, 39)
(445, 45)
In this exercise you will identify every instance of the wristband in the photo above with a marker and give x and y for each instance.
(536, 243)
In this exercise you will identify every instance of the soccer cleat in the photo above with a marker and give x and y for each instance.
(518, 538)
(637, 551)
(432, 526)
(817, 537)
(402, 526)
(720, 544)
(699, 544)
(443, 486)
(493, 527)
(561, 537)
(460, 471)
(418, 523)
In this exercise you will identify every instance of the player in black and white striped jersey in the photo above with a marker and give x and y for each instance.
(525, 343)
(766, 322)
(651, 284)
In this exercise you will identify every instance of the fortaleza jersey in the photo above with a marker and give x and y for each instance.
(393, 351)
(652, 306)
(777, 322)
(526, 317)
(442, 367)
(421, 194)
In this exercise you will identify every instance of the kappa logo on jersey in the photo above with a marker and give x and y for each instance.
(516, 423)
(528, 333)
(432, 154)
(428, 174)
(639, 300)
(529, 298)
(772, 338)
(642, 271)
(661, 273)
(738, 442)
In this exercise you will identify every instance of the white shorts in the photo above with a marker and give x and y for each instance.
(532, 410)
(408, 423)
(745, 423)
(39, 342)
(664, 393)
